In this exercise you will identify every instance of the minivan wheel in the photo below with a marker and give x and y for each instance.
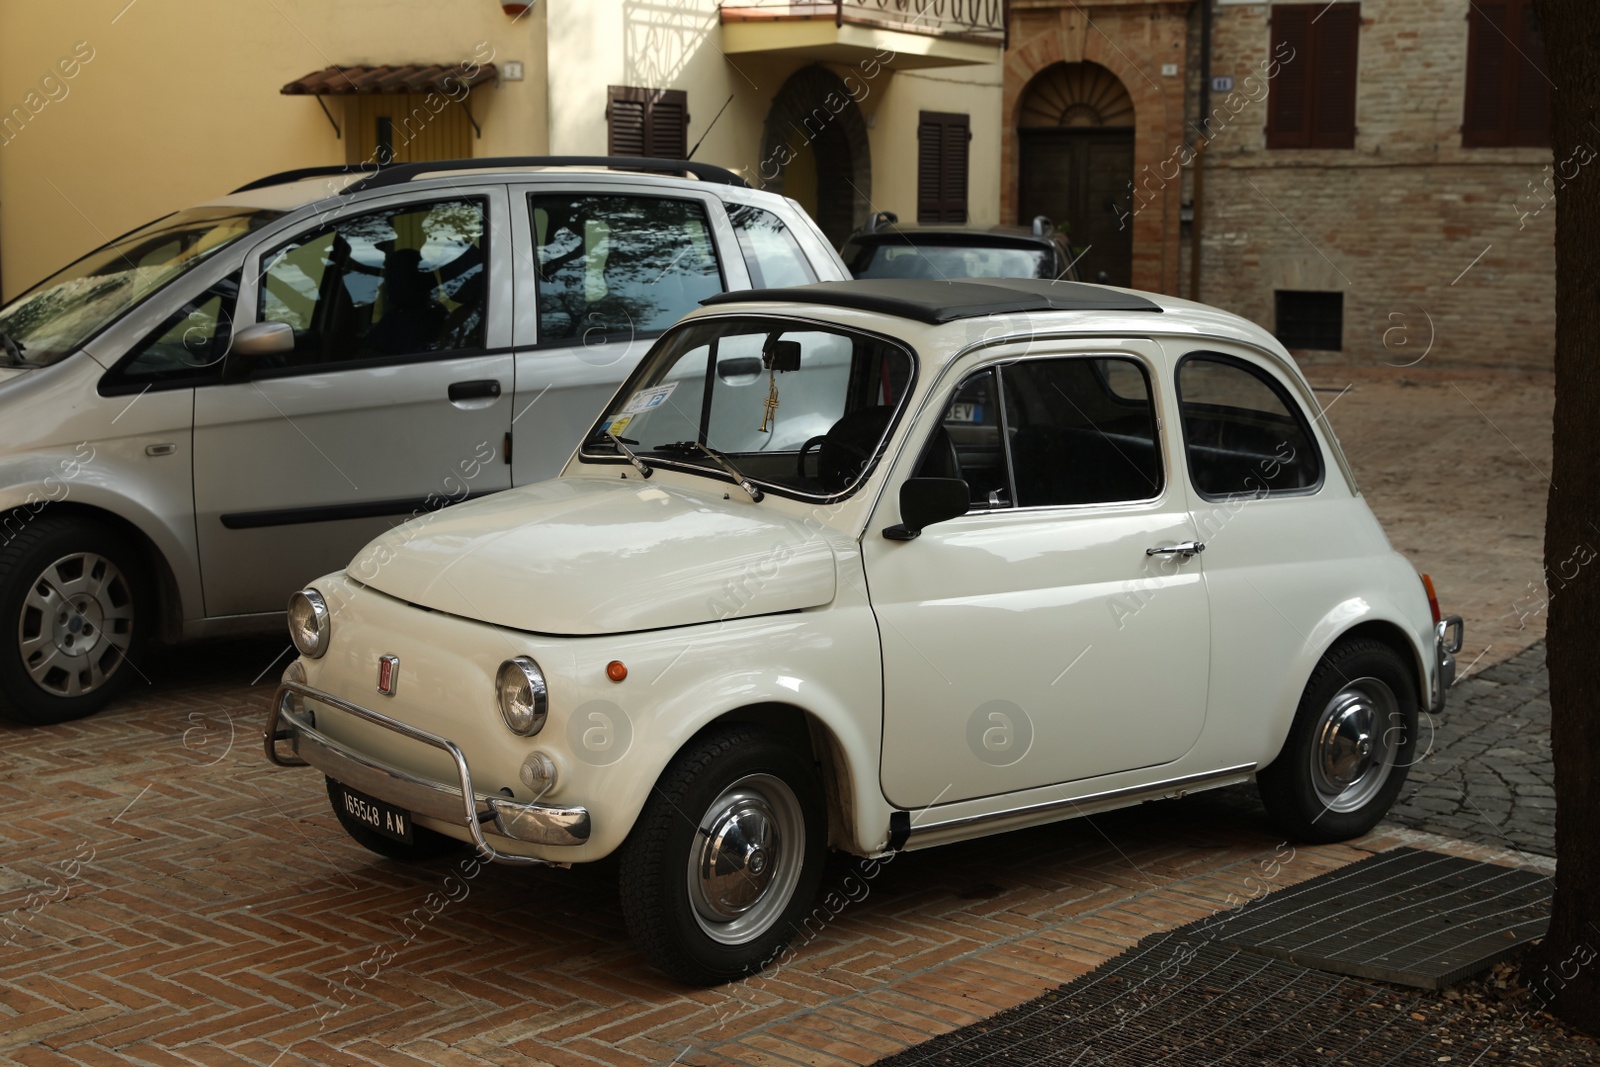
(1347, 754)
(74, 614)
(725, 857)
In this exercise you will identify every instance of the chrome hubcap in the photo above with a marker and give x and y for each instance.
(76, 622)
(1357, 736)
(746, 859)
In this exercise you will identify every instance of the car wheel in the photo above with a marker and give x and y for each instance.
(74, 613)
(725, 857)
(1353, 738)
(425, 844)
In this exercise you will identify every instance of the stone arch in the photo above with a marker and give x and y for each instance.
(1075, 95)
(815, 133)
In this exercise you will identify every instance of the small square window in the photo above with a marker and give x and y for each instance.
(1310, 320)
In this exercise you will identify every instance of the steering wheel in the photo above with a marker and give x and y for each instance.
(817, 442)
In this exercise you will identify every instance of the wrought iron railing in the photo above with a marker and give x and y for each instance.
(935, 18)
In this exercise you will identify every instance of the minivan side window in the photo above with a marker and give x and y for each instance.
(404, 281)
(1051, 432)
(770, 251)
(186, 350)
(619, 266)
(1243, 433)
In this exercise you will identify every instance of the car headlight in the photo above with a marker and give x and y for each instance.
(524, 698)
(310, 623)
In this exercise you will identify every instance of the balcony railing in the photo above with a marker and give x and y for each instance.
(971, 19)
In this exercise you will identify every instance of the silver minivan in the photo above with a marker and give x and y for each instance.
(205, 412)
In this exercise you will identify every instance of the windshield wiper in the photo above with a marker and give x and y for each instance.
(720, 460)
(638, 464)
(14, 350)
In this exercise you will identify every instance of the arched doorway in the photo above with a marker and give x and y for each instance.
(814, 149)
(1075, 133)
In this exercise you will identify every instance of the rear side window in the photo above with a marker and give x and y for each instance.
(770, 251)
(619, 266)
(1243, 433)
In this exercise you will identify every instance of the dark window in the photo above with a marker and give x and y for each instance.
(619, 266)
(647, 122)
(942, 167)
(184, 351)
(1312, 103)
(1073, 438)
(384, 154)
(1310, 319)
(771, 253)
(1508, 93)
(406, 280)
(1243, 434)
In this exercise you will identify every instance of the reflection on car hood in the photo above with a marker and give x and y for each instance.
(8, 373)
(585, 556)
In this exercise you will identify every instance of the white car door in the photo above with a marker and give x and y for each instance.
(612, 266)
(395, 401)
(1033, 640)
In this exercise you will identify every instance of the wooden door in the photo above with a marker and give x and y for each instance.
(1082, 179)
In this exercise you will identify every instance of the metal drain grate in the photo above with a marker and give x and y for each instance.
(1406, 916)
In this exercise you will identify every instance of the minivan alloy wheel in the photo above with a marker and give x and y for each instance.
(76, 624)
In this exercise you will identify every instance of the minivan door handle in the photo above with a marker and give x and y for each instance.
(475, 390)
(1183, 548)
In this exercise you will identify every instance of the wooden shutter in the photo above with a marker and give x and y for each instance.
(1530, 111)
(1507, 95)
(647, 122)
(1289, 98)
(1336, 39)
(942, 151)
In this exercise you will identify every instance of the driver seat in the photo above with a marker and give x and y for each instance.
(839, 457)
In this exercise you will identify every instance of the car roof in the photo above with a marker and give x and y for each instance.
(993, 237)
(936, 302)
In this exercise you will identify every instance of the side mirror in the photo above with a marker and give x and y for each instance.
(264, 339)
(925, 501)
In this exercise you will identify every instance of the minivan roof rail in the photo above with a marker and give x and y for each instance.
(401, 173)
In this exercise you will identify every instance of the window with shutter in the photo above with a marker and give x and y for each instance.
(1312, 102)
(942, 140)
(1507, 100)
(647, 122)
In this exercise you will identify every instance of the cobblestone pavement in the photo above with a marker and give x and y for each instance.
(166, 897)
(1488, 777)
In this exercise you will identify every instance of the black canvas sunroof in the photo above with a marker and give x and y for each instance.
(937, 302)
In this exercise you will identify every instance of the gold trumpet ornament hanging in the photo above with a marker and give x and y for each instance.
(772, 400)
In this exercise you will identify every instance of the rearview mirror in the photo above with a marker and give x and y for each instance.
(782, 356)
(925, 501)
(264, 339)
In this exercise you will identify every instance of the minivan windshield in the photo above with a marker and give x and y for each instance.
(798, 407)
(55, 317)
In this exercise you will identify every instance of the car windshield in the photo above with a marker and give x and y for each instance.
(945, 262)
(55, 317)
(799, 408)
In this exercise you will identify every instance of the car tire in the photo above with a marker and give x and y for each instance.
(75, 615)
(425, 844)
(1347, 754)
(725, 857)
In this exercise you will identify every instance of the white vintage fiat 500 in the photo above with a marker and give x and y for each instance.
(876, 566)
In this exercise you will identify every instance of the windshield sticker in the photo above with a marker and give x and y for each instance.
(618, 425)
(648, 399)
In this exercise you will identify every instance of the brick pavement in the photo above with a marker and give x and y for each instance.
(166, 897)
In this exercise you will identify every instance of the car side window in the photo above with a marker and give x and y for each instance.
(772, 255)
(968, 443)
(185, 350)
(1076, 441)
(619, 266)
(404, 281)
(1242, 431)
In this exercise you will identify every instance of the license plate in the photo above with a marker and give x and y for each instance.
(964, 412)
(386, 819)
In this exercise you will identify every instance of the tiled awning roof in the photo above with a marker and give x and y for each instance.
(410, 78)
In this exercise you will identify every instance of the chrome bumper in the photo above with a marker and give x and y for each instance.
(457, 802)
(1448, 634)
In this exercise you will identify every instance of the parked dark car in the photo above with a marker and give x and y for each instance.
(886, 249)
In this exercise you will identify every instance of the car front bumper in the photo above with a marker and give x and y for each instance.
(1448, 634)
(292, 722)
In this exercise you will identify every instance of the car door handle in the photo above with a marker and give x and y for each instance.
(1182, 548)
(474, 390)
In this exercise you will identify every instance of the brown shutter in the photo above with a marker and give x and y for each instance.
(1530, 113)
(669, 124)
(625, 117)
(942, 151)
(1336, 40)
(930, 149)
(1289, 99)
(1488, 24)
(953, 179)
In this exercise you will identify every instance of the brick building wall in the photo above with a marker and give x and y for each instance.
(1438, 249)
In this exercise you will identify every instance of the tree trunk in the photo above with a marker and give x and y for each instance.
(1566, 971)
